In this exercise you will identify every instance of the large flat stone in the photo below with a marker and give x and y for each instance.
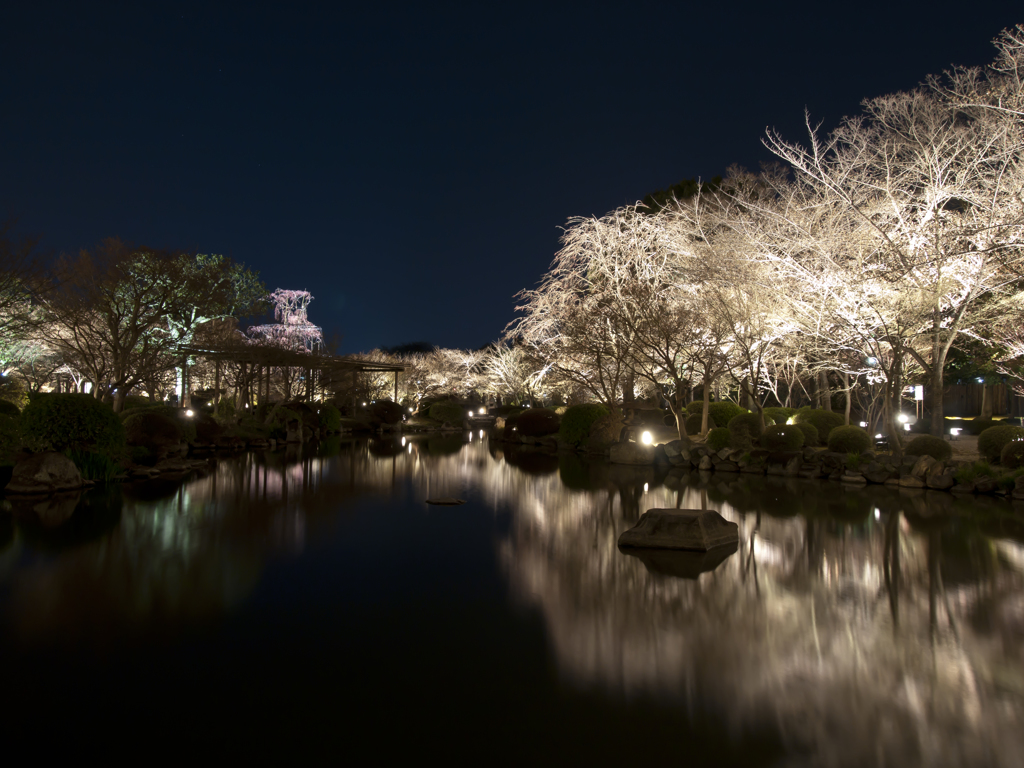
(690, 529)
(43, 474)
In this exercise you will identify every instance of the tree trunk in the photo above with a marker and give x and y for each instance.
(186, 385)
(987, 408)
(823, 391)
(707, 408)
(849, 398)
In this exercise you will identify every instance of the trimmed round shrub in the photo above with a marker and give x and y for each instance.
(778, 415)
(697, 406)
(604, 431)
(330, 417)
(782, 437)
(577, 420)
(723, 411)
(849, 440)
(992, 440)
(147, 427)
(979, 425)
(693, 422)
(718, 438)
(70, 420)
(746, 423)
(187, 425)
(929, 445)
(810, 432)
(448, 412)
(538, 422)
(7, 408)
(1012, 455)
(823, 421)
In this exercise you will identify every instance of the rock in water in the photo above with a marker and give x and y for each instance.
(45, 473)
(693, 529)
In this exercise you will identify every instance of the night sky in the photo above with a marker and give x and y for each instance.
(411, 165)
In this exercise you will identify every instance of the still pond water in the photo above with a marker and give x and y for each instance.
(309, 603)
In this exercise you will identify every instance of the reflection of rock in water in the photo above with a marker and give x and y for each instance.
(48, 512)
(680, 563)
(68, 520)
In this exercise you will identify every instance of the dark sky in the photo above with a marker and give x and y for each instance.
(410, 165)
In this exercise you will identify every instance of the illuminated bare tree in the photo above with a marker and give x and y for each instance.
(934, 189)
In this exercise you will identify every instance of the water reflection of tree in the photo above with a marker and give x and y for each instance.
(835, 624)
(865, 626)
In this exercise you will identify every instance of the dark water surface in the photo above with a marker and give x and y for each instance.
(310, 604)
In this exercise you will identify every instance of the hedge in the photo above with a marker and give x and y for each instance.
(577, 421)
(782, 437)
(992, 440)
(929, 445)
(849, 440)
(823, 421)
(62, 421)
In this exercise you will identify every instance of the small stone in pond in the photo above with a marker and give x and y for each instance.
(446, 501)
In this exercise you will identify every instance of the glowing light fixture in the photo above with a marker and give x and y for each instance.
(645, 488)
(790, 420)
(647, 438)
(902, 418)
(189, 413)
(863, 423)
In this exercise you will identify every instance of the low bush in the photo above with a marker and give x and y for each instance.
(823, 421)
(173, 412)
(7, 408)
(574, 428)
(65, 421)
(992, 440)
(693, 423)
(782, 437)
(697, 406)
(94, 465)
(748, 423)
(849, 440)
(778, 415)
(448, 412)
(723, 411)
(538, 422)
(604, 431)
(929, 445)
(810, 432)
(718, 438)
(146, 428)
(1012, 455)
(979, 425)
(971, 472)
(330, 418)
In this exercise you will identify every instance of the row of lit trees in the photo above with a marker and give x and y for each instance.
(115, 318)
(865, 257)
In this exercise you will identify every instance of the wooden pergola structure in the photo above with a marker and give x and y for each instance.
(257, 361)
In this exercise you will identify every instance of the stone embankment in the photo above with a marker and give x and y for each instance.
(867, 468)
